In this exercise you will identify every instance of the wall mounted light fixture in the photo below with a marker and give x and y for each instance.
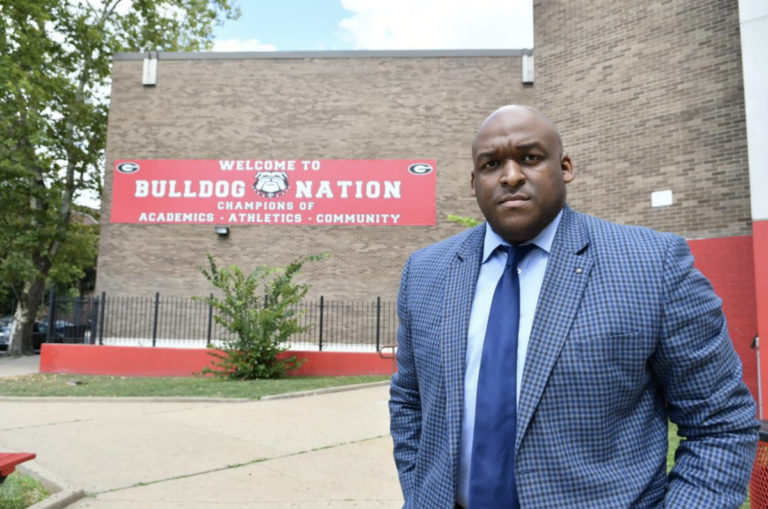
(149, 75)
(528, 69)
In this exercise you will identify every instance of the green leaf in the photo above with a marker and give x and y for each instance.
(468, 222)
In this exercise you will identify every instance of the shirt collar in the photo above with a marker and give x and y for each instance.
(543, 240)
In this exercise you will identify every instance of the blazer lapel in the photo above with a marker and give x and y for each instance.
(460, 284)
(566, 277)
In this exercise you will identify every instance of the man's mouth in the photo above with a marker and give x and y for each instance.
(513, 201)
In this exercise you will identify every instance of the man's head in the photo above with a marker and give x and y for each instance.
(520, 172)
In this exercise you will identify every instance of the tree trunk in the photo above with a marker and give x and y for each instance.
(24, 318)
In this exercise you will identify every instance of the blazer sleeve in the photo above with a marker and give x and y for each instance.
(701, 376)
(405, 401)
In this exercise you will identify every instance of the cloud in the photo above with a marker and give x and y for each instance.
(234, 44)
(438, 24)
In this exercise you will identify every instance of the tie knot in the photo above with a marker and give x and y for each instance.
(515, 254)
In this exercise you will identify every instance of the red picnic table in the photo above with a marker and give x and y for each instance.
(10, 460)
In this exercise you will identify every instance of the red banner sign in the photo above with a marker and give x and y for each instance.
(265, 191)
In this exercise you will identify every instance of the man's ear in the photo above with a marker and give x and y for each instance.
(567, 166)
(472, 185)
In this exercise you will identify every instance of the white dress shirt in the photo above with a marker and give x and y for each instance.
(531, 275)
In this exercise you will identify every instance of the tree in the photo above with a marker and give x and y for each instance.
(73, 270)
(262, 321)
(55, 62)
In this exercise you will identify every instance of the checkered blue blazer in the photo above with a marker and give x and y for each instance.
(627, 334)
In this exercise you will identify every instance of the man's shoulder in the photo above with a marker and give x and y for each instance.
(448, 248)
(607, 233)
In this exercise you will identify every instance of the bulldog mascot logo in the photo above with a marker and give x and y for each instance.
(271, 184)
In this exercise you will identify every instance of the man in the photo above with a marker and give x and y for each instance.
(542, 354)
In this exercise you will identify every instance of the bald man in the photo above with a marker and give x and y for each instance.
(542, 353)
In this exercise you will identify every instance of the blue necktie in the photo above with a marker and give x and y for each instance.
(492, 470)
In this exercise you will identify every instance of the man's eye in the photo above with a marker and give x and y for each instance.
(491, 165)
(530, 158)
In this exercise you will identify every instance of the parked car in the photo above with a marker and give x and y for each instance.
(39, 335)
(68, 332)
(5, 337)
(58, 325)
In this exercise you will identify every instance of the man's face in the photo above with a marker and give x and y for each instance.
(520, 172)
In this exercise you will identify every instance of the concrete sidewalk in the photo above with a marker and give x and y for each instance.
(16, 366)
(322, 451)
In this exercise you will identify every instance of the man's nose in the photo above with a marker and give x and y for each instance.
(512, 174)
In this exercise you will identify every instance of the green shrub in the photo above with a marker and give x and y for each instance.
(261, 320)
(468, 222)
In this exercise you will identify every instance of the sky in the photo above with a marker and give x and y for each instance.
(326, 25)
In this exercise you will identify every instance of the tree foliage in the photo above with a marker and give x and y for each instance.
(55, 64)
(260, 311)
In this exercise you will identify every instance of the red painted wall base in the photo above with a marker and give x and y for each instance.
(729, 264)
(760, 232)
(138, 361)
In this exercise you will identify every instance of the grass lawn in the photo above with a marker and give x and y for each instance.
(115, 386)
(21, 491)
(674, 441)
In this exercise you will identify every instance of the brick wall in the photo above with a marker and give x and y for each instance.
(649, 97)
(348, 108)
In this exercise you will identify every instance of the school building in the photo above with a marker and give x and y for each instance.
(257, 158)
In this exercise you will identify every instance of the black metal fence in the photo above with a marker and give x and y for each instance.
(179, 322)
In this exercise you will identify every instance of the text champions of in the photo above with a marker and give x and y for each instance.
(266, 211)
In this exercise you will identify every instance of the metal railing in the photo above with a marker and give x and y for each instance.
(178, 322)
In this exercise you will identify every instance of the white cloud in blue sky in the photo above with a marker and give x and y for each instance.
(438, 24)
(311, 25)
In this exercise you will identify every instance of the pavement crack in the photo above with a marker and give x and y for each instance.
(235, 465)
(46, 424)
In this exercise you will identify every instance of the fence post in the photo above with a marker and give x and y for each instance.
(51, 311)
(210, 320)
(154, 326)
(94, 321)
(101, 324)
(78, 305)
(322, 307)
(378, 323)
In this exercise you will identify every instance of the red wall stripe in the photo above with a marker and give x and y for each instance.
(760, 232)
(139, 361)
(729, 263)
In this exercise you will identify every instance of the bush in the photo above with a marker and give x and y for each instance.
(262, 321)
(468, 222)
